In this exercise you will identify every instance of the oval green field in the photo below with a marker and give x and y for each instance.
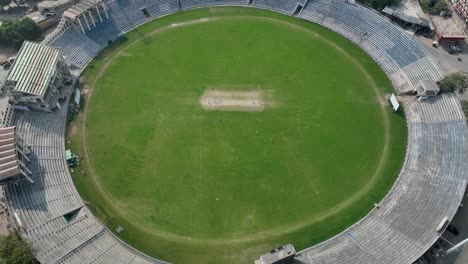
(215, 140)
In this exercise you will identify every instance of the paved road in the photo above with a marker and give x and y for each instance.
(449, 62)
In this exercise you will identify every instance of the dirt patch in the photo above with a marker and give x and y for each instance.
(219, 100)
(71, 130)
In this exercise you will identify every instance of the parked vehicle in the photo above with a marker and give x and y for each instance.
(452, 229)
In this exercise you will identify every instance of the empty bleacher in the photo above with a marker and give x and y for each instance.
(430, 185)
(401, 58)
(189, 4)
(161, 7)
(286, 6)
(76, 47)
(40, 208)
(403, 225)
(387, 44)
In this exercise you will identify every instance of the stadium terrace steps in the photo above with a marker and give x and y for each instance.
(403, 225)
(399, 246)
(189, 4)
(286, 6)
(76, 47)
(343, 249)
(41, 206)
(399, 56)
(161, 8)
(400, 229)
(387, 44)
(102, 248)
(423, 69)
(440, 109)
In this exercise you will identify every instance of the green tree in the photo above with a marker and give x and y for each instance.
(14, 250)
(465, 108)
(440, 6)
(434, 6)
(15, 32)
(4, 3)
(454, 82)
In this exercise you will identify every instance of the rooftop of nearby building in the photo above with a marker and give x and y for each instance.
(78, 9)
(447, 27)
(37, 16)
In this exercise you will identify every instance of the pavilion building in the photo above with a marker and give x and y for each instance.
(38, 78)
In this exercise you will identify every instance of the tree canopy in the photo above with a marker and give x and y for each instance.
(14, 250)
(15, 32)
(434, 6)
(465, 108)
(455, 82)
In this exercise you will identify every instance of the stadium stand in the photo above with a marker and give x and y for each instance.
(38, 79)
(400, 229)
(50, 211)
(401, 58)
(429, 189)
(188, 4)
(287, 6)
(76, 47)
(13, 156)
(394, 51)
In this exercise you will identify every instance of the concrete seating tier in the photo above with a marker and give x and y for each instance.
(188, 4)
(387, 44)
(286, 6)
(50, 211)
(403, 225)
(76, 47)
(160, 8)
(400, 229)
(436, 110)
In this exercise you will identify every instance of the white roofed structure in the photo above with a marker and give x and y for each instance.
(427, 88)
(82, 13)
(13, 157)
(394, 101)
(37, 78)
(33, 68)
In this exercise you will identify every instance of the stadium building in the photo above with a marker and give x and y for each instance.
(55, 219)
(38, 78)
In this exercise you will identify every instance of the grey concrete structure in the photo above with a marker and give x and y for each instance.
(13, 156)
(400, 229)
(282, 255)
(40, 208)
(37, 78)
(286, 6)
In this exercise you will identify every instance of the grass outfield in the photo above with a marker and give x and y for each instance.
(197, 185)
